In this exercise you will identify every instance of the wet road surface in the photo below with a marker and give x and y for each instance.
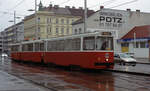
(139, 68)
(57, 79)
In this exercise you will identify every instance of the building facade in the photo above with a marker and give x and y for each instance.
(12, 34)
(137, 41)
(120, 21)
(52, 21)
(1, 43)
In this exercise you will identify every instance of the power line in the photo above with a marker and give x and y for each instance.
(124, 3)
(107, 2)
(64, 2)
(5, 12)
(18, 4)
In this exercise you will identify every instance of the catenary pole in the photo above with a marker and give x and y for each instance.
(85, 16)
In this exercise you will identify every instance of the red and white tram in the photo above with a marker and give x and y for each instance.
(91, 51)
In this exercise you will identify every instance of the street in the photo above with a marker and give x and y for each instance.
(58, 79)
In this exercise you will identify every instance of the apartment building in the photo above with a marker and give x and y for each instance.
(12, 34)
(52, 21)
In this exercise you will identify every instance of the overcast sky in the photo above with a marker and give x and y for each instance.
(7, 7)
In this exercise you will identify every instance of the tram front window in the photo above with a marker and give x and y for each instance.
(104, 43)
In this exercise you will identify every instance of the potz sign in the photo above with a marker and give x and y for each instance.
(110, 19)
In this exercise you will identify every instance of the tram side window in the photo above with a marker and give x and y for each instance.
(60, 45)
(15, 48)
(89, 43)
(30, 47)
(104, 43)
(49, 46)
(68, 44)
(53, 46)
(41, 46)
(76, 44)
(12, 48)
(37, 46)
(24, 47)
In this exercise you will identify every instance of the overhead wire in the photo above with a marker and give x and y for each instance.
(18, 4)
(64, 2)
(5, 12)
(107, 2)
(12, 8)
(124, 3)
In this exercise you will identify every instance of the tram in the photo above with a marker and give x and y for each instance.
(90, 51)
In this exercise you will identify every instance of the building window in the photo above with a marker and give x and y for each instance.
(57, 20)
(48, 20)
(56, 31)
(125, 44)
(67, 30)
(62, 31)
(48, 29)
(62, 21)
(142, 44)
(39, 29)
(67, 21)
(80, 30)
(75, 31)
(72, 20)
(38, 19)
(137, 44)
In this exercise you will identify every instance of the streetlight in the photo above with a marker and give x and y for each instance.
(85, 16)
(36, 35)
(15, 32)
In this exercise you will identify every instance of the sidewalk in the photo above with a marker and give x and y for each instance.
(140, 69)
(143, 60)
(12, 83)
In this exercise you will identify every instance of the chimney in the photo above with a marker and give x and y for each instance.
(128, 9)
(67, 7)
(50, 5)
(73, 7)
(138, 10)
(80, 8)
(101, 7)
(56, 6)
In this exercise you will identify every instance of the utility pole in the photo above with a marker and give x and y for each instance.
(14, 17)
(36, 35)
(134, 34)
(85, 16)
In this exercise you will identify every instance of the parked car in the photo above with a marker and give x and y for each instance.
(4, 55)
(123, 58)
(130, 54)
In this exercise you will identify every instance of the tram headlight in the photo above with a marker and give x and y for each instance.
(107, 60)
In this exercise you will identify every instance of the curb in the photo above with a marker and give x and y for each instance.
(142, 63)
(133, 73)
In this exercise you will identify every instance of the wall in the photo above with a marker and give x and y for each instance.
(142, 52)
(120, 20)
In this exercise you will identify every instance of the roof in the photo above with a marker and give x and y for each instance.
(82, 19)
(67, 10)
(141, 32)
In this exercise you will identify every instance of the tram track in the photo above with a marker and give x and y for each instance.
(27, 69)
(18, 73)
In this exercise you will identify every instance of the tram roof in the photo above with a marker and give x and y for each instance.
(64, 37)
(77, 36)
